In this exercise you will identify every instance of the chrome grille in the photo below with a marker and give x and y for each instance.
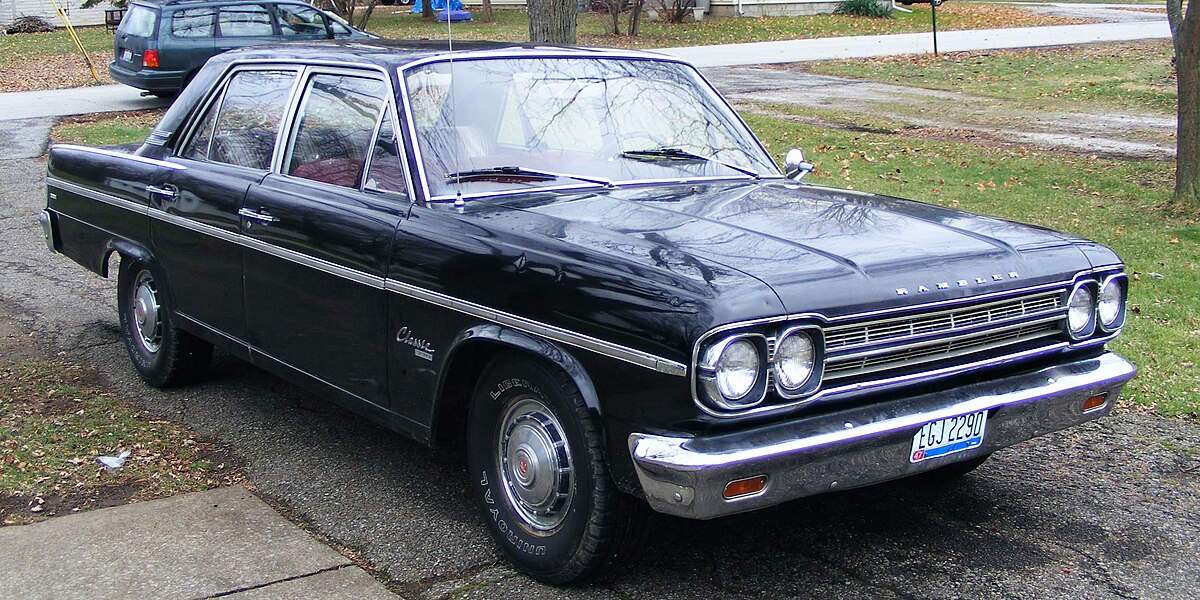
(897, 342)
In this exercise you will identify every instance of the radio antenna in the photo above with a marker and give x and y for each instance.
(458, 202)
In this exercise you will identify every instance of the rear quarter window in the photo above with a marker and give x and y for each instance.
(139, 21)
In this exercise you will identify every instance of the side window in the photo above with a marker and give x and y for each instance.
(297, 20)
(337, 118)
(193, 23)
(339, 30)
(240, 128)
(245, 21)
(386, 172)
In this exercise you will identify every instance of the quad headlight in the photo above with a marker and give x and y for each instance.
(795, 360)
(1081, 310)
(731, 372)
(736, 372)
(1110, 306)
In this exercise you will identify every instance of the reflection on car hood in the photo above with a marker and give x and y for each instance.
(820, 249)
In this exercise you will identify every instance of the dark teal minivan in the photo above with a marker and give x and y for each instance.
(160, 44)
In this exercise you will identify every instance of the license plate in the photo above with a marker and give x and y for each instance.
(948, 436)
(127, 55)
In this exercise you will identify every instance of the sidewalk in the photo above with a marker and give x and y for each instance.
(224, 542)
(729, 55)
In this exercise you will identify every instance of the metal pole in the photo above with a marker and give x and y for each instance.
(933, 8)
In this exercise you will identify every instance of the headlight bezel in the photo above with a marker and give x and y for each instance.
(1120, 280)
(707, 373)
(813, 381)
(1089, 286)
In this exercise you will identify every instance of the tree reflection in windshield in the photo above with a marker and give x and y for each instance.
(573, 116)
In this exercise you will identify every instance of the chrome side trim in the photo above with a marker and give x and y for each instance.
(125, 155)
(558, 334)
(97, 195)
(579, 340)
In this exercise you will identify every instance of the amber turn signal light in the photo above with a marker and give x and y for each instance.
(745, 487)
(1095, 402)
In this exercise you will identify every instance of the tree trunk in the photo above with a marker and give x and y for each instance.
(614, 11)
(551, 21)
(1186, 37)
(635, 17)
(488, 17)
(427, 9)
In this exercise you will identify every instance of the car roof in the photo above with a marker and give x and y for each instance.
(164, 3)
(394, 53)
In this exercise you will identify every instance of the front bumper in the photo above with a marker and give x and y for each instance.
(866, 444)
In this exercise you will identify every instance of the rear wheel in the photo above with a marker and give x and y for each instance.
(162, 353)
(539, 474)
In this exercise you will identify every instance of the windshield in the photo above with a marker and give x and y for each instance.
(493, 125)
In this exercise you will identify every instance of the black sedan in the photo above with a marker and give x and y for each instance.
(581, 265)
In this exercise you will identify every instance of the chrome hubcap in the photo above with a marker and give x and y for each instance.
(535, 463)
(145, 313)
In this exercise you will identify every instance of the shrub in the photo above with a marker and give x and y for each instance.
(864, 8)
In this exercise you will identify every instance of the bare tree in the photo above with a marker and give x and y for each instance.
(674, 11)
(1185, 34)
(551, 21)
(488, 17)
(427, 9)
(355, 12)
(635, 16)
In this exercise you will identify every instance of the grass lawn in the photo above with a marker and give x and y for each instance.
(107, 129)
(1126, 75)
(512, 25)
(56, 420)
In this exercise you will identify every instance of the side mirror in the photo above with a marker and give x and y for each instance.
(794, 165)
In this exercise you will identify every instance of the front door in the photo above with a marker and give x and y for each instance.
(319, 233)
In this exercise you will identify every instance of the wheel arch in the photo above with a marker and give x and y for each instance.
(470, 354)
(127, 249)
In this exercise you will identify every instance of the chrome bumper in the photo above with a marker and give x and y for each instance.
(863, 445)
(43, 217)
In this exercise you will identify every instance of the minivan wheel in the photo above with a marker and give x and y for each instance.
(162, 354)
(536, 464)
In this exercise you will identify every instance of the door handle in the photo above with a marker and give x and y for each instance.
(167, 191)
(261, 217)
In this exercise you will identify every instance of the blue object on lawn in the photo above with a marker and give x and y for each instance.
(437, 5)
(454, 15)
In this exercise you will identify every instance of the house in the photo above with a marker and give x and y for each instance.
(11, 10)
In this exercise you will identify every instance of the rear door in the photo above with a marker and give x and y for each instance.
(197, 237)
(189, 38)
(134, 35)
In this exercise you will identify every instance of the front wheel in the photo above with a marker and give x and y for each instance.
(539, 475)
(163, 354)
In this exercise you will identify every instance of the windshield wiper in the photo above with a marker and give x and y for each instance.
(657, 154)
(522, 172)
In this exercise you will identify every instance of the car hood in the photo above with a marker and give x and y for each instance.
(821, 250)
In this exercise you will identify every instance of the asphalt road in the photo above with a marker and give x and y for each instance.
(1108, 510)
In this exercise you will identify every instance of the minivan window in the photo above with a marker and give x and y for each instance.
(193, 22)
(245, 21)
(139, 21)
(299, 20)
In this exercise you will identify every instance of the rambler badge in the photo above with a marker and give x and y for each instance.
(945, 285)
